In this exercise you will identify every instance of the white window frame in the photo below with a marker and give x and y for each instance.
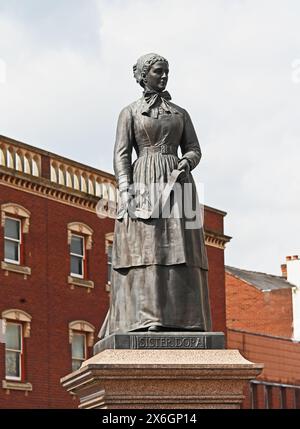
(12, 261)
(82, 334)
(80, 276)
(9, 377)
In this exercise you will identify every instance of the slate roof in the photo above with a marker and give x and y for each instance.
(261, 281)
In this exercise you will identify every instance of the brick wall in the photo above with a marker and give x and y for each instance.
(216, 280)
(214, 219)
(280, 379)
(280, 356)
(250, 309)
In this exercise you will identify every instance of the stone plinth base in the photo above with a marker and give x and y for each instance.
(165, 379)
(162, 340)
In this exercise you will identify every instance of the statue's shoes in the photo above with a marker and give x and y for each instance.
(154, 328)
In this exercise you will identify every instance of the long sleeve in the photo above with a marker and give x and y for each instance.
(189, 144)
(123, 149)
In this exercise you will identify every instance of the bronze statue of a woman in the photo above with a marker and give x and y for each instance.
(159, 276)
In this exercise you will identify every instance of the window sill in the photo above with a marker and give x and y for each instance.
(16, 385)
(20, 269)
(74, 281)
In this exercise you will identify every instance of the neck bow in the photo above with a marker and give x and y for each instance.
(153, 100)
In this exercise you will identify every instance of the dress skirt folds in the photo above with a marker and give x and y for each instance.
(159, 275)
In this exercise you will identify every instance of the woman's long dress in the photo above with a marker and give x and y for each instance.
(159, 274)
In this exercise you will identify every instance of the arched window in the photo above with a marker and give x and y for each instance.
(81, 337)
(15, 220)
(80, 242)
(13, 209)
(80, 229)
(17, 329)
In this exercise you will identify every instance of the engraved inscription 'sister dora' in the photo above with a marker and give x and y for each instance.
(159, 278)
(170, 342)
(162, 340)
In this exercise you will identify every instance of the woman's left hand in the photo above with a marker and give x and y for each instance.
(184, 165)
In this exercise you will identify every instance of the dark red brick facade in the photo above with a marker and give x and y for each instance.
(249, 309)
(46, 294)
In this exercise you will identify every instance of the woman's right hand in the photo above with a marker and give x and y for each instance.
(184, 165)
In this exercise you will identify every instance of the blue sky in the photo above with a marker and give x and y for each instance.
(233, 66)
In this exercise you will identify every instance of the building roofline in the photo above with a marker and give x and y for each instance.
(62, 159)
(35, 149)
(256, 272)
(213, 209)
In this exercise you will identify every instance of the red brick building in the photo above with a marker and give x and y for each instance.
(54, 276)
(259, 302)
(260, 312)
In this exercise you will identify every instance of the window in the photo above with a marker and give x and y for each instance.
(297, 397)
(78, 350)
(15, 221)
(80, 242)
(15, 210)
(17, 325)
(109, 262)
(81, 337)
(13, 351)
(283, 397)
(253, 390)
(12, 240)
(77, 256)
(268, 397)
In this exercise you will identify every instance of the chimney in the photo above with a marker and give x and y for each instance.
(293, 277)
(283, 271)
(292, 270)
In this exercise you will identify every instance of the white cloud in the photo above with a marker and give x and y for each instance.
(69, 73)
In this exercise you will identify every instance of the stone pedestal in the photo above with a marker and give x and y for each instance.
(162, 379)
